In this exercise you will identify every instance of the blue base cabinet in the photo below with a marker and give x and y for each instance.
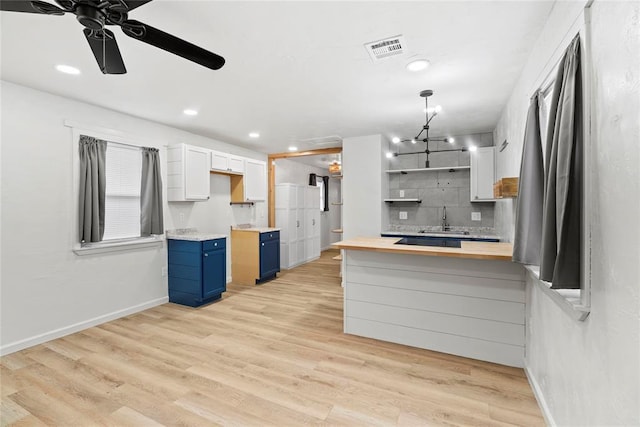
(269, 255)
(197, 271)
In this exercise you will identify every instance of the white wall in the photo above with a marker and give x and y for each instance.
(588, 373)
(291, 171)
(47, 290)
(363, 185)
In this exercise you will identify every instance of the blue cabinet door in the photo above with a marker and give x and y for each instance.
(269, 258)
(197, 271)
(214, 273)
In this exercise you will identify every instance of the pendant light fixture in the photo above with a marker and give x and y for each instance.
(429, 115)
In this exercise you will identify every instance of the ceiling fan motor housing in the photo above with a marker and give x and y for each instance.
(89, 16)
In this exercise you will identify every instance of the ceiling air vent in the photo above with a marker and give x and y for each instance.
(323, 140)
(382, 49)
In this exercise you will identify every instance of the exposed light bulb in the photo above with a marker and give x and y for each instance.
(293, 148)
(451, 140)
(254, 135)
(389, 154)
(413, 141)
(395, 140)
(438, 108)
(473, 148)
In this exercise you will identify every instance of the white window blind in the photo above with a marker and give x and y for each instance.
(320, 183)
(122, 201)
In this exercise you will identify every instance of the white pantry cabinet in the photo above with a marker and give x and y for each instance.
(187, 173)
(298, 218)
(483, 174)
(227, 163)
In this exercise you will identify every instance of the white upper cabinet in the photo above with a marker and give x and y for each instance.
(187, 173)
(483, 174)
(227, 163)
(255, 180)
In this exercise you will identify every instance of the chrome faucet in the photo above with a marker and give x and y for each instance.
(445, 226)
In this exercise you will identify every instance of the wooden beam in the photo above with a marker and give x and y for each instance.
(271, 171)
(331, 150)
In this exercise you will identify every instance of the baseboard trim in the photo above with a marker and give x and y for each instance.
(537, 392)
(76, 327)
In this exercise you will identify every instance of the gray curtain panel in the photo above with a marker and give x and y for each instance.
(92, 188)
(528, 231)
(560, 256)
(151, 221)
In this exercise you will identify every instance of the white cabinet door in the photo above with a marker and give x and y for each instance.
(219, 161)
(196, 172)
(312, 223)
(483, 174)
(236, 164)
(255, 180)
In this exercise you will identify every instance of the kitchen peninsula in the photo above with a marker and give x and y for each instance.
(467, 301)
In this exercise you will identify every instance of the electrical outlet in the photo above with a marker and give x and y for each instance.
(403, 215)
(476, 216)
(401, 193)
(164, 271)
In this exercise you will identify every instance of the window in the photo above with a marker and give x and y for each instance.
(122, 194)
(320, 184)
(126, 158)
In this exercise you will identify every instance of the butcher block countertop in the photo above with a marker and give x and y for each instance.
(475, 250)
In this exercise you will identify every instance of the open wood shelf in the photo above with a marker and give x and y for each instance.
(403, 200)
(338, 257)
(445, 168)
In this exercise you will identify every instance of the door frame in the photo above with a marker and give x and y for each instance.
(271, 173)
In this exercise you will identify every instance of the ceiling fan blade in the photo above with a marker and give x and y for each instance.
(173, 44)
(133, 4)
(105, 49)
(30, 7)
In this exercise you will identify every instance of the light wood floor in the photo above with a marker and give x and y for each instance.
(272, 354)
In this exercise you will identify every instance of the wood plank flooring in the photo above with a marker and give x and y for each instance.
(272, 354)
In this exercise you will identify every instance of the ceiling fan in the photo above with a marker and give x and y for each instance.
(94, 15)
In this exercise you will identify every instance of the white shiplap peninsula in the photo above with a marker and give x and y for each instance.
(467, 301)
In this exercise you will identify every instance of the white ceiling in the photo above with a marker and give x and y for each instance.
(294, 70)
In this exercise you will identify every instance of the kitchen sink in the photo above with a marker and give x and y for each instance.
(465, 233)
(429, 242)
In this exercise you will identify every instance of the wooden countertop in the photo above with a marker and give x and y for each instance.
(475, 250)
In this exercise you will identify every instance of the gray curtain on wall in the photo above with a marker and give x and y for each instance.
(560, 256)
(151, 221)
(92, 188)
(528, 231)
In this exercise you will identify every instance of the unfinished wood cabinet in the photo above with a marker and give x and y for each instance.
(255, 256)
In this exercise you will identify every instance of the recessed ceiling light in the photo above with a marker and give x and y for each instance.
(417, 65)
(190, 112)
(67, 69)
(293, 148)
(395, 140)
(254, 135)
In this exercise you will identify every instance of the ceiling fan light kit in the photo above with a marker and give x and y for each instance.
(430, 114)
(94, 15)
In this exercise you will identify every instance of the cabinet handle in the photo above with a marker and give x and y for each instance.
(298, 224)
(313, 222)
